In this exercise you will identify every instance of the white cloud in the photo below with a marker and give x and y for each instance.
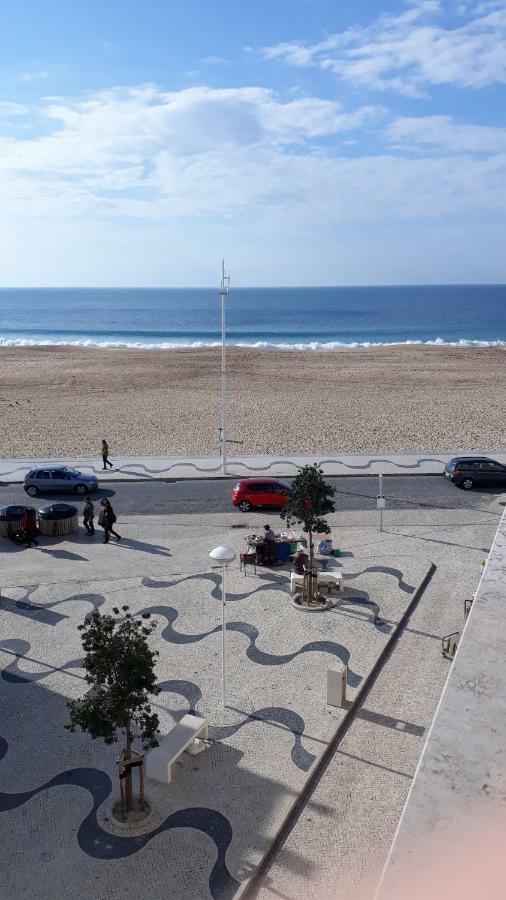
(35, 75)
(241, 154)
(12, 109)
(443, 131)
(214, 61)
(409, 52)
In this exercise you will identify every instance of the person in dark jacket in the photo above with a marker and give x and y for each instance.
(107, 519)
(28, 529)
(105, 454)
(88, 516)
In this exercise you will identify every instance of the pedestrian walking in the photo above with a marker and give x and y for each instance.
(89, 516)
(107, 519)
(105, 454)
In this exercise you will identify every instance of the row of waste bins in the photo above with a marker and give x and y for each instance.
(55, 519)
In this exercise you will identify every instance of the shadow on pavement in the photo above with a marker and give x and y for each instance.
(143, 547)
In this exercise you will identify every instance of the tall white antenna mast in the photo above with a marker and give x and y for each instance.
(223, 291)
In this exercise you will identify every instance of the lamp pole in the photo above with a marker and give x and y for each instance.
(223, 640)
(224, 288)
(224, 556)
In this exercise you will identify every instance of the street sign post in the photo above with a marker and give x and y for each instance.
(381, 501)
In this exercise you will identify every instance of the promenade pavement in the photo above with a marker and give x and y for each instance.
(212, 826)
(173, 467)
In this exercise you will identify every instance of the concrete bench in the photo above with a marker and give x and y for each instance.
(330, 581)
(326, 580)
(159, 761)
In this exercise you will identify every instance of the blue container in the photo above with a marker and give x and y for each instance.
(283, 551)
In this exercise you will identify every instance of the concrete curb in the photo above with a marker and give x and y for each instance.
(248, 887)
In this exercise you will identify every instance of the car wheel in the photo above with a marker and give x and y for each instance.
(245, 506)
(81, 489)
(32, 490)
(467, 484)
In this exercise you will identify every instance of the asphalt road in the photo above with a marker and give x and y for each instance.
(213, 496)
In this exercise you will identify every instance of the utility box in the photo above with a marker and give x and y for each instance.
(336, 686)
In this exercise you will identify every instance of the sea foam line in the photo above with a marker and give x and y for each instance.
(253, 345)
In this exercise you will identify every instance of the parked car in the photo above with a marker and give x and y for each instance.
(470, 471)
(59, 478)
(250, 492)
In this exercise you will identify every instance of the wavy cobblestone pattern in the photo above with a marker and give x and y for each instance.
(387, 570)
(279, 714)
(216, 581)
(101, 844)
(14, 675)
(383, 625)
(253, 653)
(96, 600)
(266, 467)
(233, 463)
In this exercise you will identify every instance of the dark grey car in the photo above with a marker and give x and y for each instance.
(59, 478)
(473, 471)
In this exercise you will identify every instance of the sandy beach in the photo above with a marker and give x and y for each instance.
(62, 401)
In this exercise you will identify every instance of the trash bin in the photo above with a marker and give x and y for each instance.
(10, 518)
(57, 519)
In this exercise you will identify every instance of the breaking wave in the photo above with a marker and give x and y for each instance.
(252, 345)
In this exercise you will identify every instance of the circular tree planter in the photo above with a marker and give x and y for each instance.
(138, 821)
(303, 606)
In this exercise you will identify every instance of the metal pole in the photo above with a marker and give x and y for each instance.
(380, 478)
(223, 632)
(223, 376)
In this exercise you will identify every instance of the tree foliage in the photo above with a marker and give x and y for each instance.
(307, 504)
(119, 667)
(309, 501)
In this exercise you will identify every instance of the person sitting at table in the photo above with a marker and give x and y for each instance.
(300, 561)
(270, 551)
(266, 549)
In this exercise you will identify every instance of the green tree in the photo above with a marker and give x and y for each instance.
(120, 667)
(309, 501)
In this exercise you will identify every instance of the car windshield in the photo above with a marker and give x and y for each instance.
(285, 485)
(72, 472)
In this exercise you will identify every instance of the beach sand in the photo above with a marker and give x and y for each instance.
(62, 401)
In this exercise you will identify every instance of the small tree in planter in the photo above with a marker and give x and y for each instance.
(119, 667)
(308, 502)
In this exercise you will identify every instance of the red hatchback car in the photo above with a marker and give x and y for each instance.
(250, 492)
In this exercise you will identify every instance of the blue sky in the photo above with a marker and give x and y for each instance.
(308, 141)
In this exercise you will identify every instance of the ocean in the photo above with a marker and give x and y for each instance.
(319, 318)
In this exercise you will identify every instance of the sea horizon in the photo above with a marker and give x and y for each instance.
(279, 318)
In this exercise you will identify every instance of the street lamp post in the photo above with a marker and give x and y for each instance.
(223, 556)
(223, 291)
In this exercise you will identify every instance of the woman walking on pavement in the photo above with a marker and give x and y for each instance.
(105, 454)
(88, 516)
(106, 519)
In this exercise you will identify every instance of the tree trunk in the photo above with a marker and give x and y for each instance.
(128, 780)
(312, 580)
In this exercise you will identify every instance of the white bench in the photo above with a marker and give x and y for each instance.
(327, 580)
(159, 760)
(331, 581)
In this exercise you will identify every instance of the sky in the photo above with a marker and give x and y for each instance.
(306, 141)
